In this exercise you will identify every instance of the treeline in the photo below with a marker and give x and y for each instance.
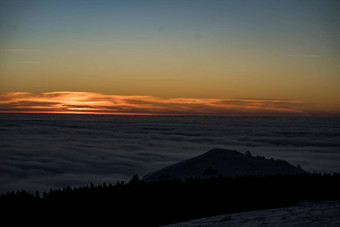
(137, 203)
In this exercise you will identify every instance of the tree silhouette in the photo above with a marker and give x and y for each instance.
(134, 179)
(164, 202)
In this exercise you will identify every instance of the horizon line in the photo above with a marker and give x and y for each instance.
(69, 102)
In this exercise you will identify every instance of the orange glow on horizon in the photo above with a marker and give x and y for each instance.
(96, 103)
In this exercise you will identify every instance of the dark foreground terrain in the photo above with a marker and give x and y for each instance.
(137, 203)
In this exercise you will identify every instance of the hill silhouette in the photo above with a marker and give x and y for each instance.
(222, 162)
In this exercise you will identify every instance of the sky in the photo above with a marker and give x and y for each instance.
(242, 57)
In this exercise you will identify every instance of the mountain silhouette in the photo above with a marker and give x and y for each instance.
(226, 163)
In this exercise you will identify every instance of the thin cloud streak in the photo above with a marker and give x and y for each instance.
(20, 50)
(29, 62)
(302, 55)
(96, 103)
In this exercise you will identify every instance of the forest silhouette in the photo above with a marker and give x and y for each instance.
(137, 203)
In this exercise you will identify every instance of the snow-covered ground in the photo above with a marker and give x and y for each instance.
(304, 214)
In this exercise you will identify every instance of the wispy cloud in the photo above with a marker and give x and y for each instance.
(20, 50)
(302, 55)
(29, 62)
(96, 103)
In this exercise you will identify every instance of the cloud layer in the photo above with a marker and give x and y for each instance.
(96, 103)
(41, 151)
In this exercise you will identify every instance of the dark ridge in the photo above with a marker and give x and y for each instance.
(138, 203)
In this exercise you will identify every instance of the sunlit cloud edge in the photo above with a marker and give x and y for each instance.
(69, 102)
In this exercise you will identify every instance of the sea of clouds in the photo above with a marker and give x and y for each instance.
(43, 151)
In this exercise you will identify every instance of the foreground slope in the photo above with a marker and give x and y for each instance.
(305, 214)
(221, 162)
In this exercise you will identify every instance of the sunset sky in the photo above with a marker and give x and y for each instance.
(236, 57)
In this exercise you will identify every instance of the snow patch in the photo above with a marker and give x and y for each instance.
(306, 214)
